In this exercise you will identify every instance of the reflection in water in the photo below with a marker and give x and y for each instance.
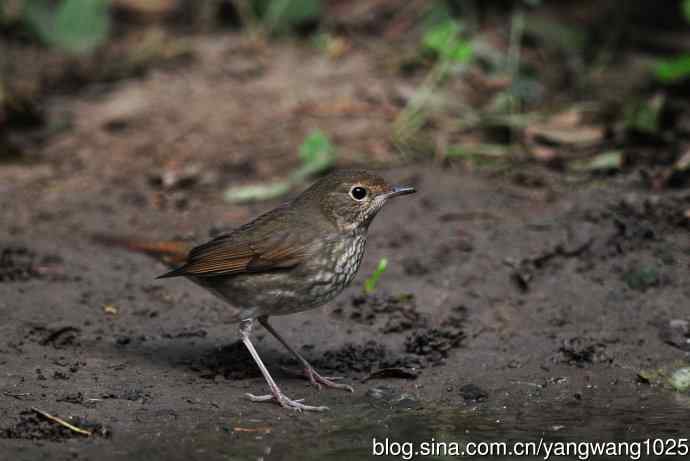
(349, 437)
(346, 433)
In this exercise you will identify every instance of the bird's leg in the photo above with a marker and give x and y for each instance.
(276, 394)
(315, 378)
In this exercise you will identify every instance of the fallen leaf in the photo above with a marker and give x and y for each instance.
(256, 192)
(564, 128)
(263, 430)
(612, 160)
(581, 136)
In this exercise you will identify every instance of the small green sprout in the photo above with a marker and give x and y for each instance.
(317, 154)
(677, 68)
(444, 39)
(673, 69)
(452, 51)
(370, 283)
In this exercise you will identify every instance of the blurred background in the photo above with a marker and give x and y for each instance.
(254, 96)
(537, 283)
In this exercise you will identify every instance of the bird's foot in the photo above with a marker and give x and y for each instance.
(328, 381)
(285, 402)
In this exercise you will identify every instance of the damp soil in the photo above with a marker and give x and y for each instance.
(506, 312)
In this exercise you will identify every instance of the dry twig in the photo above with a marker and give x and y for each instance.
(62, 422)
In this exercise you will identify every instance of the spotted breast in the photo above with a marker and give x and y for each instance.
(337, 267)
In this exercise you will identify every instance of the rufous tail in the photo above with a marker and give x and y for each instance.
(173, 253)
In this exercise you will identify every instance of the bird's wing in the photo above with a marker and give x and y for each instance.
(230, 255)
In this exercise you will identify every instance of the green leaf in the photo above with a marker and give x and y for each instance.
(641, 278)
(461, 52)
(678, 68)
(256, 192)
(612, 160)
(317, 155)
(445, 41)
(370, 283)
(82, 25)
(673, 70)
(315, 146)
(441, 35)
(76, 26)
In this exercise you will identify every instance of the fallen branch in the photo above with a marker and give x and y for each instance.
(62, 422)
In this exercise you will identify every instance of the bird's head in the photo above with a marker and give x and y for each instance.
(351, 198)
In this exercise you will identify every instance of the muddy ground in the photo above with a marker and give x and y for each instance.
(507, 312)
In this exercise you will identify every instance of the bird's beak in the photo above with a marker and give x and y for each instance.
(400, 190)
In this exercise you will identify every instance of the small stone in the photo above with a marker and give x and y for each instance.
(392, 396)
(676, 332)
(381, 392)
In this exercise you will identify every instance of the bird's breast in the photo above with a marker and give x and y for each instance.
(330, 267)
(336, 266)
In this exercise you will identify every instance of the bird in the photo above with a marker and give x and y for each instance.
(295, 257)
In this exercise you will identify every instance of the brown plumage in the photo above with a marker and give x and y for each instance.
(297, 256)
(232, 254)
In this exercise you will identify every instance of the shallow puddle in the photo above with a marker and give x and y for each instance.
(439, 433)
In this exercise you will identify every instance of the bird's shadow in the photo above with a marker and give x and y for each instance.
(231, 361)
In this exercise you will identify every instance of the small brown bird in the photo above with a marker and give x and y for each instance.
(293, 258)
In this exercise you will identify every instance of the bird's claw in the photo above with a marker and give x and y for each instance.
(328, 381)
(286, 402)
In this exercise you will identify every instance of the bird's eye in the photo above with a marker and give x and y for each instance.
(359, 193)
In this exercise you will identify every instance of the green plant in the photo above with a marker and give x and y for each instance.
(75, 26)
(445, 41)
(677, 68)
(317, 154)
(673, 69)
(372, 281)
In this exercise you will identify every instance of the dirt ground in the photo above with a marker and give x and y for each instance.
(507, 311)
